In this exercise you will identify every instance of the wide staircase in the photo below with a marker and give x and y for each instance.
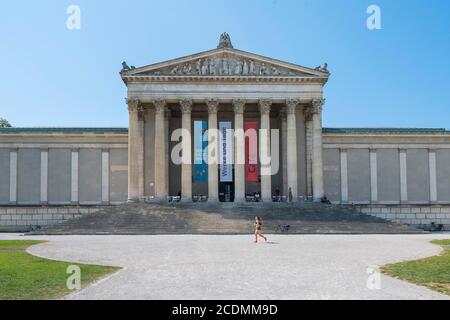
(204, 218)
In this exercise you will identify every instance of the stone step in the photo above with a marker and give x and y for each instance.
(303, 218)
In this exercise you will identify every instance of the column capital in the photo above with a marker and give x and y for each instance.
(317, 105)
(402, 150)
(239, 106)
(265, 106)
(291, 106)
(213, 105)
(160, 105)
(133, 104)
(186, 106)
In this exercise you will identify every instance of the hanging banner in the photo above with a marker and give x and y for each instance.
(226, 151)
(251, 151)
(200, 144)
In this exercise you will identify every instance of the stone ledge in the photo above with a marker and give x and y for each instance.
(420, 216)
(22, 219)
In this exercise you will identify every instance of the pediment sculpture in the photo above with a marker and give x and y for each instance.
(225, 66)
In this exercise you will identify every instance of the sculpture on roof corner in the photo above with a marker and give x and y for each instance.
(225, 41)
(323, 68)
(125, 67)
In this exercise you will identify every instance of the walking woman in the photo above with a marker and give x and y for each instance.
(258, 225)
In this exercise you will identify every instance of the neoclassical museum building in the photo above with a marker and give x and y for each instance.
(399, 174)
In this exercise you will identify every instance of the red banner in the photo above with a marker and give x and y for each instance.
(251, 151)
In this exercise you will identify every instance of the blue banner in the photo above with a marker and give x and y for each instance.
(200, 145)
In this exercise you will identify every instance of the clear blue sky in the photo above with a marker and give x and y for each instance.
(397, 76)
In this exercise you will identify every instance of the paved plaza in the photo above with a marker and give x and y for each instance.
(196, 267)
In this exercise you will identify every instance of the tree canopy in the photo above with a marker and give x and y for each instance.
(4, 123)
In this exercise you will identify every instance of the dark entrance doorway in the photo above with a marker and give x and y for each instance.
(226, 191)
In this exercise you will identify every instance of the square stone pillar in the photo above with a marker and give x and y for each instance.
(213, 156)
(44, 176)
(264, 145)
(317, 162)
(239, 154)
(13, 166)
(432, 166)
(186, 166)
(291, 110)
(75, 176)
(160, 150)
(105, 176)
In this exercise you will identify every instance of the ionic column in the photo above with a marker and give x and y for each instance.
(239, 154)
(307, 112)
(264, 144)
(284, 147)
(160, 150)
(291, 109)
(213, 157)
(133, 150)
(317, 162)
(186, 166)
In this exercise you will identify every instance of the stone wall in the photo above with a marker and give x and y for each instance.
(22, 219)
(417, 216)
(401, 176)
(63, 167)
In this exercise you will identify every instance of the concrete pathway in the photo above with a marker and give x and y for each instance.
(232, 267)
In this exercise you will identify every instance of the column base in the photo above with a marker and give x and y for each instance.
(133, 200)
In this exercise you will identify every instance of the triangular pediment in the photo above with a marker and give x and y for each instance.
(225, 62)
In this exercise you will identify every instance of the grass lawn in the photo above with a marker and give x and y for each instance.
(25, 277)
(433, 272)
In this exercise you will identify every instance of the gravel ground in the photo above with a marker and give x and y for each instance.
(233, 267)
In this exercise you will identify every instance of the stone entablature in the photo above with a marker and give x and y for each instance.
(63, 137)
(386, 138)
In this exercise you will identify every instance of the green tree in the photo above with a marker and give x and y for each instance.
(4, 123)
